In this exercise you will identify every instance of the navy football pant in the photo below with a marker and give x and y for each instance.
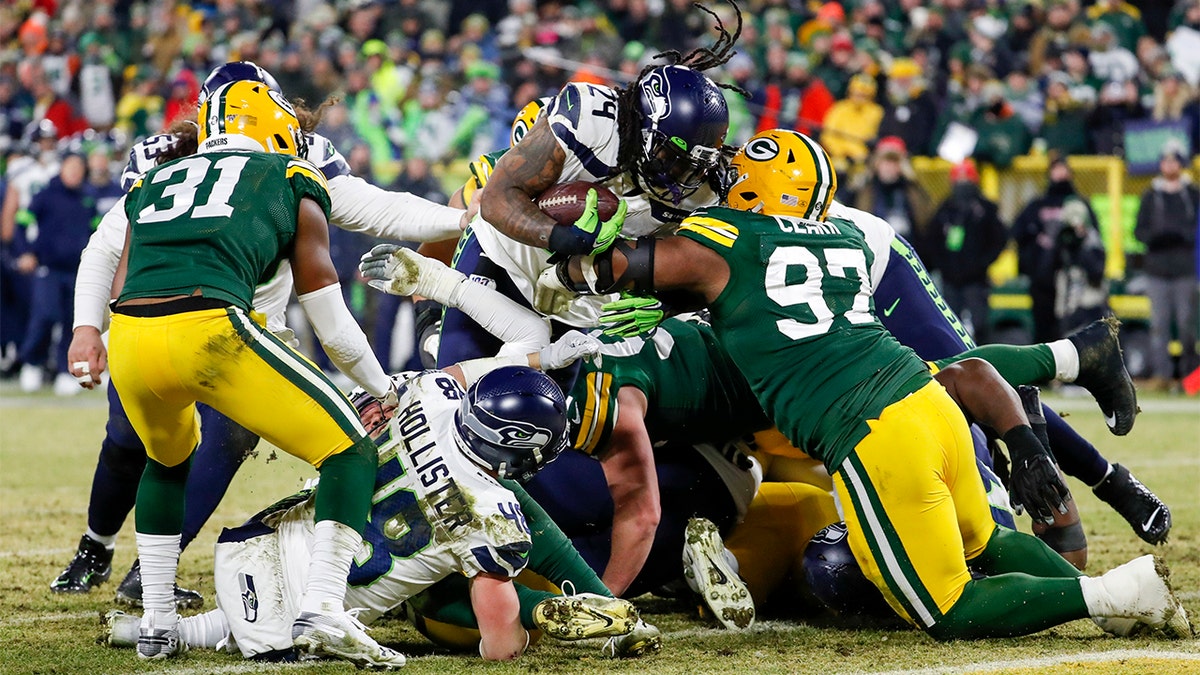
(910, 307)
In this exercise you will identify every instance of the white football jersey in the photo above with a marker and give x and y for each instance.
(878, 233)
(583, 119)
(434, 512)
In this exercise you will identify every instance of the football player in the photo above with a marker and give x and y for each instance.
(443, 507)
(790, 294)
(204, 231)
(654, 143)
(355, 205)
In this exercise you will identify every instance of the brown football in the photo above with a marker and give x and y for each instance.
(564, 202)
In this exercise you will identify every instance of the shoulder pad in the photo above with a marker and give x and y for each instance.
(325, 157)
(143, 157)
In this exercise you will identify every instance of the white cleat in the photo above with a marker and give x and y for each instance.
(1140, 590)
(121, 630)
(708, 571)
(1119, 627)
(585, 615)
(342, 636)
(155, 643)
(643, 639)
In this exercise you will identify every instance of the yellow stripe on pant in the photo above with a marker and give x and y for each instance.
(915, 505)
(163, 366)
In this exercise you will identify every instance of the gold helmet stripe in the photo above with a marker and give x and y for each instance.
(825, 179)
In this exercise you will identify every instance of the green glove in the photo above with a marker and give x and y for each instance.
(631, 315)
(589, 223)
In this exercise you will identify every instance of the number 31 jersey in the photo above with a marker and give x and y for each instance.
(218, 221)
(797, 319)
(433, 513)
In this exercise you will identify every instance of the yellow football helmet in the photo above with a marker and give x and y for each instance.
(782, 172)
(252, 109)
(526, 118)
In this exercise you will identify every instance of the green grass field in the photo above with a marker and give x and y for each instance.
(48, 452)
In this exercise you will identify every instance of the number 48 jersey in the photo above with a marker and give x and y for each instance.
(797, 319)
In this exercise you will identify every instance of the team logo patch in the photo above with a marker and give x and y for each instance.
(762, 149)
(832, 534)
(657, 90)
(249, 597)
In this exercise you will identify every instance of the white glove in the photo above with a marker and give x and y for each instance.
(568, 349)
(400, 271)
(550, 297)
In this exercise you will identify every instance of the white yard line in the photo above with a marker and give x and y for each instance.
(36, 553)
(1047, 661)
(39, 618)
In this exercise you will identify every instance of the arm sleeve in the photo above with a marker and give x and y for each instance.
(98, 266)
(344, 340)
(521, 329)
(359, 206)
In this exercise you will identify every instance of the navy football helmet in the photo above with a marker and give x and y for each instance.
(233, 72)
(684, 119)
(835, 578)
(513, 421)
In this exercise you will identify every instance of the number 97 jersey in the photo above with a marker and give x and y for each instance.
(797, 319)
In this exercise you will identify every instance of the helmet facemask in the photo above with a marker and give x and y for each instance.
(671, 169)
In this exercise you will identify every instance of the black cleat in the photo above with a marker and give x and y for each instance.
(1102, 372)
(91, 566)
(1146, 513)
(130, 591)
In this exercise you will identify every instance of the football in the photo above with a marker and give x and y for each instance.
(564, 202)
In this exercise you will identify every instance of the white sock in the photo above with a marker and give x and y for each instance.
(1066, 360)
(333, 551)
(204, 630)
(109, 541)
(1097, 598)
(159, 554)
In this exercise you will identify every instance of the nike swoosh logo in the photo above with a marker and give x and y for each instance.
(1150, 521)
(889, 310)
(724, 579)
(1110, 420)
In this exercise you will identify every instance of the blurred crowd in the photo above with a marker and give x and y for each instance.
(422, 83)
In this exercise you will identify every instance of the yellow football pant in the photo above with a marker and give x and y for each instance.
(163, 366)
(915, 505)
(769, 543)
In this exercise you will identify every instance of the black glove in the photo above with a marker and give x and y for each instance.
(428, 325)
(1035, 484)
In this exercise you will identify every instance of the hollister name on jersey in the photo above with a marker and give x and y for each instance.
(445, 498)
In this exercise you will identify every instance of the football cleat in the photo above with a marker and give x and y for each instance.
(156, 644)
(1120, 627)
(708, 571)
(643, 639)
(342, 636)
(121, 630)
(585, 615)
(1140, 589)
(91, 566)
(1142, 509)
(1102, 372)
(130, 591)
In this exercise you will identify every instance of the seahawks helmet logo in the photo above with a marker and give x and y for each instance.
(656, 88)
(762, 149)
(513, 434)
(831, 534)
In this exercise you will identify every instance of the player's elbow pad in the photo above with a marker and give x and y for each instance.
(597, 270)
(343, 339)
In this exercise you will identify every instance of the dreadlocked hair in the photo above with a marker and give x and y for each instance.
(629, 130)
(187, 141)
(311, 119)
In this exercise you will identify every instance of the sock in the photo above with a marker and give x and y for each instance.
(553, 556)
(204, 630)
(222, 450)
(114, 485)
(109, 541)
(1107, 473)
(1076, 456)
(160, 496)
(347, 482)
(1010, 551)
(1018, 365)
(1066, 360)
(159, 554)
(1009, 605)
(332, 552)
(529, 598)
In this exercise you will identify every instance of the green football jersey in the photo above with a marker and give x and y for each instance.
(695, 394)
(798, 320)
(220, 222)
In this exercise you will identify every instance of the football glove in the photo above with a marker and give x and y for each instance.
(588, 236)
(550, 296)
(1034, 484)
(631, 315)
(568, 349)
(400, 271)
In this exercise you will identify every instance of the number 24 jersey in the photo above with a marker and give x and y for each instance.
(797, 319)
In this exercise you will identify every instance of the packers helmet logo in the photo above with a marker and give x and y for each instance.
(762, 149)
(281, 102)
(657, 91)
(519, 129)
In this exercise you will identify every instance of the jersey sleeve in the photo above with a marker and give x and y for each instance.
(325, 157)
(307, 181)
(583, 119)
(143, 157)
(502, 546)
(592, 411)
(706, 227)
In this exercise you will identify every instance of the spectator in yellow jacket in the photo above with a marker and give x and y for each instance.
(852, 124)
